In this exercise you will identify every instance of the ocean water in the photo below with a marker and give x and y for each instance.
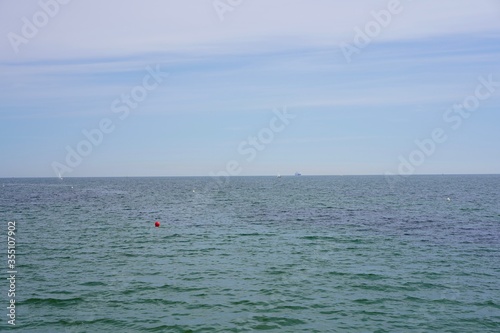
(290, 254)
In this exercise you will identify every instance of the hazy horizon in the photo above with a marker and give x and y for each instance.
(274, 176)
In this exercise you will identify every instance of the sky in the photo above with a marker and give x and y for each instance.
(249, 87)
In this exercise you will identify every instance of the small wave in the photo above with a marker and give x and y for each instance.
(52, 301)
(278, 321)
(249, 303)
(368, 276)
(367, 301)
(374, 287)
(250, 234)
(319, 238)
(488, 303)
(93, 283)
(160, 302)
(167, 287)
(168, 328)
(471, 209)
(337, 273)
(292, 307)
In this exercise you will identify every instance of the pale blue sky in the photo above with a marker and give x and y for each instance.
(226, 77)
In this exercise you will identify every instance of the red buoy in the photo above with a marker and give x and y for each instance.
(157, 224)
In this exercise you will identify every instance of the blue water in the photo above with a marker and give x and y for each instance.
(290, 254)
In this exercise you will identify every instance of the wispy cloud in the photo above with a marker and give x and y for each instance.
(95, 28)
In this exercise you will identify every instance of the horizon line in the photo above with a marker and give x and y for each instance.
(275, 176)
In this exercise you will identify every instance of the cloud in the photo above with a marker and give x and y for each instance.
(116, 27)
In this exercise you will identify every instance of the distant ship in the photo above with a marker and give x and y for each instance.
(298, 174)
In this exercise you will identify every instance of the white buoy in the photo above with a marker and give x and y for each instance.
(448, 199)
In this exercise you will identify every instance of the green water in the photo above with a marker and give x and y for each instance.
(290, 254)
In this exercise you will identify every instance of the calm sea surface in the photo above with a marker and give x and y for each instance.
(290, 254)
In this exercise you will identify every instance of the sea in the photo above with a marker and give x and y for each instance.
(244, 254)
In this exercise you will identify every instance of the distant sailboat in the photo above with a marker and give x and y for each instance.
(278, 176)
(59, 176)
